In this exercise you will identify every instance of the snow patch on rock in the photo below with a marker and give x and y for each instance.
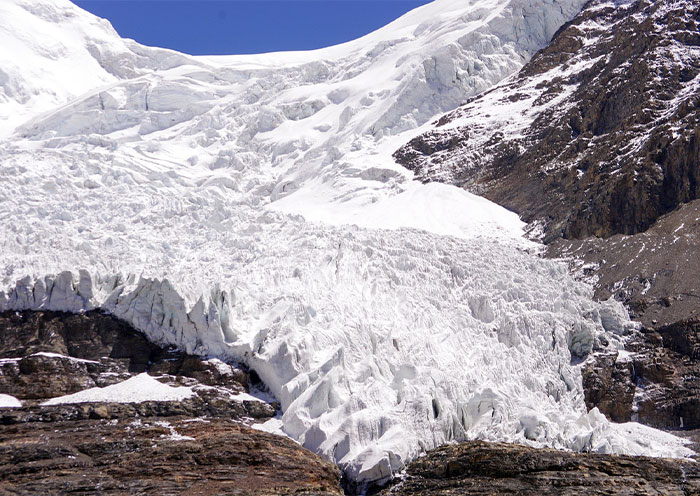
(8, 401)
(138, 389)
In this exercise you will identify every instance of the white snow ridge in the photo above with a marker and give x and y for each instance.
(248, 208)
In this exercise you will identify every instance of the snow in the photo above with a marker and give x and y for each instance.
(624, 356)
(245, 397)
(174, 435)
(272, 426)
(429, 207)
(137, 389)
(58, 355)
(7, 401)
(247, 208)
(223, 368)
(264, 127)
(54, 52)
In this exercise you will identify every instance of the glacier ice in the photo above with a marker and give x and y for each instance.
(272, 125)
(379, 344)
(247, 208)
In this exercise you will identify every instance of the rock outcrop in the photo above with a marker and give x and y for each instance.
(656, 381)
(480, 468)
(199, 444)
(49, 354)
(157, 456)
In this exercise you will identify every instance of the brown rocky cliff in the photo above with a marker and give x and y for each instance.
(478, 468)
(157, 456)
(609, 139)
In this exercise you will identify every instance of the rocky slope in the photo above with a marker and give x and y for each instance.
(156, 455)
(479, 468)
(596, 135)
(654, 273)
(200, 444)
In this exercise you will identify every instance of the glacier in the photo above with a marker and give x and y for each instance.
(248, 208)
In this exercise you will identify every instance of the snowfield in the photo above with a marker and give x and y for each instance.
(138, 389)
(248, 208)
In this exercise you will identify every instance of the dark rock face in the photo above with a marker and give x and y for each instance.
(599, 134)
(655, 273)
(497, 468)
(656, 383)
(610, 386)
(88, 336)
(156, 456)
(197, 445)
(49, 354)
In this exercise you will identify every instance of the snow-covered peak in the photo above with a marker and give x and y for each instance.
(53, 51)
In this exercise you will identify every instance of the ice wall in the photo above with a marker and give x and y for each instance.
(382, 344)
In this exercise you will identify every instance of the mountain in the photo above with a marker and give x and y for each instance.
(596, 135)
(55, 52)
(248, 208)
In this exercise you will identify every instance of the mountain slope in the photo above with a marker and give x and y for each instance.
(597, 134)
(177, 192)
(654, 272)
(54, 52)
(269, 124)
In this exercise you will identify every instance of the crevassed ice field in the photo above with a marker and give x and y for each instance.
(248, 208)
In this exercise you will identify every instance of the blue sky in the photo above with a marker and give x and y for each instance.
(246, 26)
